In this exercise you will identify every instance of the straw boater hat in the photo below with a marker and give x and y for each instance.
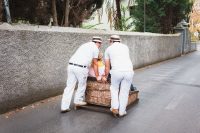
(97, 39)
(115, 38)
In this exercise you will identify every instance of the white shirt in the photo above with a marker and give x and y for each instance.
(118, 54)
(84, 54)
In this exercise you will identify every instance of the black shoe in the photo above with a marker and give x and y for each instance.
(64, 111)
(133, 88)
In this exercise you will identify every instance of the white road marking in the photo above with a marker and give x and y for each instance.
(175, 101)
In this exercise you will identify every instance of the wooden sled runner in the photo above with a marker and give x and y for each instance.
(98, 97)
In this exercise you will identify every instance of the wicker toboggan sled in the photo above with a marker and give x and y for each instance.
(98, 95)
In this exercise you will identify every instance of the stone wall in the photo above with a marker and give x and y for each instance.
(193, 46)
(33, 59)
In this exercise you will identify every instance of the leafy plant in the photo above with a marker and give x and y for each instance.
(161, 15)
(90, 26)
(127, 22)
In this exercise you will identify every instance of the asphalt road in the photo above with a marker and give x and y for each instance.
(169, 103)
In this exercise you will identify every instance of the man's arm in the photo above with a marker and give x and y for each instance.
(96, 70)
(107, 69)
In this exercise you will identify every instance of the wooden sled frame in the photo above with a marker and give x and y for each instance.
(106, 109)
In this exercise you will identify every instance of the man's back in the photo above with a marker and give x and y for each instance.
(84, 54)
(118, 54)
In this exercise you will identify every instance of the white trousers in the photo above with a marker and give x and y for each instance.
(75, 74)
(119, 94)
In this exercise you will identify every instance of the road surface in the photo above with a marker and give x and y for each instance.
(169, 103)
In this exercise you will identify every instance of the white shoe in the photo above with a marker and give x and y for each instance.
(66, 110)
(122, 115)
(82, 103)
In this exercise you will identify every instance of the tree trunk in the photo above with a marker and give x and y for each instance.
(54, 12)
(66, 23)
(1, 10)
(118, 21)
(7, 10)
(166, 21)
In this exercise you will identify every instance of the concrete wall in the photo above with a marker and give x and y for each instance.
(198, 46)
(33, 60)
(187, 45)
(193, 46)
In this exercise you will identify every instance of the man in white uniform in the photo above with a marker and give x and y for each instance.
(78, 69)
(117, 56)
